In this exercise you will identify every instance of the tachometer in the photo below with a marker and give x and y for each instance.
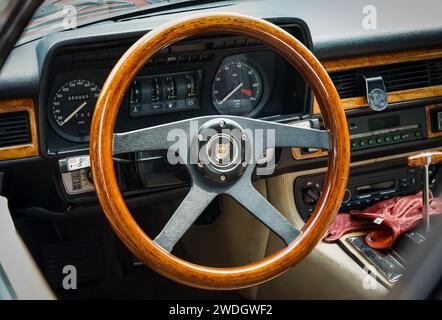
(237, 88)
(71, 108)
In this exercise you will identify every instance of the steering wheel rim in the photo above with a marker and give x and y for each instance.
(102, 144)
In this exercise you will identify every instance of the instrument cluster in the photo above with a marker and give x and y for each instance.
(236, 88)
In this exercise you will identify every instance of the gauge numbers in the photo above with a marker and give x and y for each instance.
(71, 108)
(237, 88)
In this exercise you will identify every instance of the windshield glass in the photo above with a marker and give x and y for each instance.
(58, 15)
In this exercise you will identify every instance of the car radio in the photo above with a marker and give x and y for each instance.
(367, 185)
(386, 129)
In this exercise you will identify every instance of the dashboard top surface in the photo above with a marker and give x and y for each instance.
(335, 27)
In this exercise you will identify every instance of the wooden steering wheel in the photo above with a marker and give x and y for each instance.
(210, 178)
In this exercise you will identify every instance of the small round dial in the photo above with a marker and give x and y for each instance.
(71, 108)
(237, 88)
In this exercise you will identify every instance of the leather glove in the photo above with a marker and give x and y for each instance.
(386, 220)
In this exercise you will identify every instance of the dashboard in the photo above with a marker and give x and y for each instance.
(55, 82)
(219, 74)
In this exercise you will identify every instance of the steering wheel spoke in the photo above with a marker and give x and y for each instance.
(248, 197)
(268, 134)
(263, 135)
(160, 137)
(185, 215)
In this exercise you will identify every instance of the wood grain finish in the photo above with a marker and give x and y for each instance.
(26, 150)
(396, 96)
(120, 79)
(428, 109)
(382, 59)
(393, 97)
(423, 159)
(298, 155)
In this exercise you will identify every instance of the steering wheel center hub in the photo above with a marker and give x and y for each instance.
(221, 150)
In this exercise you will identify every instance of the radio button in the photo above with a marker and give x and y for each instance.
(362, 143)
(379, 140)
(388, 139)
(396, 138)
(370, 141)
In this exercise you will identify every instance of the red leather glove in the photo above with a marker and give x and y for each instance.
(398, 215)
(345, 223)
(386, 220)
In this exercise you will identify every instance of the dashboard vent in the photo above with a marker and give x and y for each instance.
(14, 129)
(398, 76)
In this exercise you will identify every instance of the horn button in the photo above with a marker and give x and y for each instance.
(222, 150)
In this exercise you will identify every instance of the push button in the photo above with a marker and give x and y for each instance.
(192, 102)
(157, 106)
(170, 104)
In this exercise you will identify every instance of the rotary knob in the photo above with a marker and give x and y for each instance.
(311, 193)
(347, 196)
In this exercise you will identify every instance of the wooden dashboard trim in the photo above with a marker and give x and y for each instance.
(396, 96)
(26, 150)
(428, 110)
(298, 155)
(393, 97)
(382, 59)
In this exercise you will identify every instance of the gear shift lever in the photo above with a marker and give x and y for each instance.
(424, 160)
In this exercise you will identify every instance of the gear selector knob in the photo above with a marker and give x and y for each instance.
(424, 160)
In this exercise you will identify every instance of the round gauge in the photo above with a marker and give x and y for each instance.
(71, 108)
(237, 88)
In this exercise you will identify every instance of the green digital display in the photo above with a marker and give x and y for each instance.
(383, 123)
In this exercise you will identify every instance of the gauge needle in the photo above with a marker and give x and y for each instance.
(232, 93)
(74, 113)
(247, 92)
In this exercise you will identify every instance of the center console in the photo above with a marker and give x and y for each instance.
(367, 185)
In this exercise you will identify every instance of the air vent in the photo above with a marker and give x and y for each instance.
(14, 129)
(397, 77)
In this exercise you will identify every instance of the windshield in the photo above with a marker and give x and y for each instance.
(58, 15)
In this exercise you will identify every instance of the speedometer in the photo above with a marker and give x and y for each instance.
(237, 88)
(71, 107)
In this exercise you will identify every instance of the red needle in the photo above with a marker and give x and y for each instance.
(247, 92)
